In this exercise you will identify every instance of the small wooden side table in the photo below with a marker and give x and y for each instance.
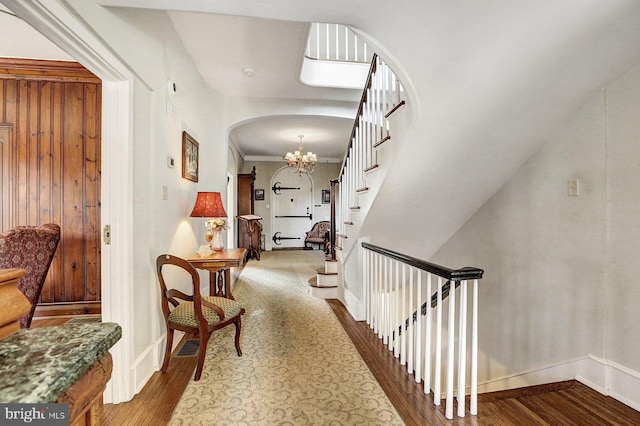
(219, 265)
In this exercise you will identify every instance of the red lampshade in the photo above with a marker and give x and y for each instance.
(208, 204)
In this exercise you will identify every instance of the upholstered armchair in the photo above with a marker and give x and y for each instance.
(30, 248)
(319, 234)
(194, 313)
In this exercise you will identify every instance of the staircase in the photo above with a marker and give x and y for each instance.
(402, 297)
(325, 284)
(369, 154)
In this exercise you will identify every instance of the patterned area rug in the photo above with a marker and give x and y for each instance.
(298, 365)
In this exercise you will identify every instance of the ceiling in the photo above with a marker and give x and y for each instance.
(274, 49)
(269, 138)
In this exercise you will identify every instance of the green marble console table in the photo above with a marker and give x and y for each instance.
(65, 363)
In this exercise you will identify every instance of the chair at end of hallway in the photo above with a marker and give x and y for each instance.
(30, 248)
(319, 234)
(194, 314)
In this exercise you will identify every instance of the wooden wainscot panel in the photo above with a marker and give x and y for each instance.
(50, 167)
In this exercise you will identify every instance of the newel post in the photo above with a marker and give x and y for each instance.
(332, 233)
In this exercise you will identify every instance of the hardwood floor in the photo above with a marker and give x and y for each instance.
(564, 403)
(156, 402)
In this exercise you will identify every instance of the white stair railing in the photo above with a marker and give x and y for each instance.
(383, 95)
(402, 308)
(335, 42)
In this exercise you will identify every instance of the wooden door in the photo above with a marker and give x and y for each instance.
(50, 115)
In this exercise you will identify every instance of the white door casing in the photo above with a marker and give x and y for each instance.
(58, 22)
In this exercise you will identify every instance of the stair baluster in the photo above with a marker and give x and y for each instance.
(400, 308)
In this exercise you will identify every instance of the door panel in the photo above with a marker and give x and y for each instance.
(50, 121)
(292, 208)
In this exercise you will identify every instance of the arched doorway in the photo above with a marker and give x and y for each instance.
(292, 208)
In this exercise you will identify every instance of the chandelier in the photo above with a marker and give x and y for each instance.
(301, 162)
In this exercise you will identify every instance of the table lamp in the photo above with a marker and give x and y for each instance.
(209, 205)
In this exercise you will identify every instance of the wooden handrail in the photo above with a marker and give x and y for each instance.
(455, 275)
(386, 313)
(356, 122)
(467, 273)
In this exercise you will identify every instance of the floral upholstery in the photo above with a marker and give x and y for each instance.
(30, 248)
(319, 234)
(185, 316)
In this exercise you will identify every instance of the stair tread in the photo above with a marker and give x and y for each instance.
(321, 271)
(313, 282)
(322, 286)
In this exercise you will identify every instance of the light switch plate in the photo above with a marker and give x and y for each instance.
(573, 187)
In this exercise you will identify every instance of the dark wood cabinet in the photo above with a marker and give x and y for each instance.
(246, 207)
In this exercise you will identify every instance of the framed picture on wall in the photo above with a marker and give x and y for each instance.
(259, 195)
(190, 148)
(326, 196)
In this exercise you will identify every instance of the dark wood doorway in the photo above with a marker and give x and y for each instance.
(50, 162)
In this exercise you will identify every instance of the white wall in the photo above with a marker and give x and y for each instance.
(622, 290)
(560, 271)
(542, 252)
(147, 43)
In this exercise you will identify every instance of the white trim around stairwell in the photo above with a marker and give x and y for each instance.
(605, 377)
(352, 303)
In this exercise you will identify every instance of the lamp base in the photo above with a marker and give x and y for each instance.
(216, 243)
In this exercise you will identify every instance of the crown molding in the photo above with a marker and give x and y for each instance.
(272, 158)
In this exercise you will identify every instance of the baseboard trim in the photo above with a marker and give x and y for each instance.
(605, 377)
(67, 309)
(352, 303)
(147, 363)
(619, 382)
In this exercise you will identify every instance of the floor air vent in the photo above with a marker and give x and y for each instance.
(190, 348)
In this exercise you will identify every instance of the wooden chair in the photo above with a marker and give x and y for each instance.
(194, 314)
(319, 234)
(30, 248)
